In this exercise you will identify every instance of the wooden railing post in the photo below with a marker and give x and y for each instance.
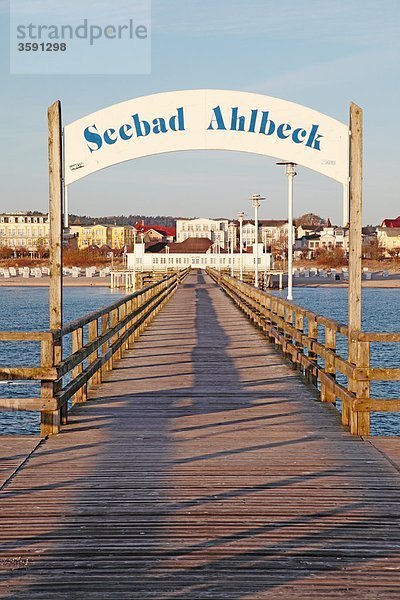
(123, 314)
(327, 392)
(274, 318)
(113, 322)
(105, 323)
(267, 313)
(359, 421)
(135, 333)
(50, 421)
(288, 336)
(130, 305)
(280, 322)
(118, 352)
(299, 326)
(93, 333)
(312, 334)
(77, 343)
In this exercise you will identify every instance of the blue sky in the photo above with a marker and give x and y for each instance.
(317, 53)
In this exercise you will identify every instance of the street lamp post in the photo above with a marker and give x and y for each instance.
(232, 231)
(290, 169)
(255, 199)
(134, 258)
(265, 252)
(240, 219)
(166, 258)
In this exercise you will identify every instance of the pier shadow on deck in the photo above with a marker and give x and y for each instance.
(203, 468)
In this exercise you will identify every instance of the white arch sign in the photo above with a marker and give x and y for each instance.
(206, 120)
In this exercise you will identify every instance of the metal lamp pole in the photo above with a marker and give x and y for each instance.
(231, 230)
(291, 173)
(240, 219)
(265, 252)
(255, 199)
(134, 257)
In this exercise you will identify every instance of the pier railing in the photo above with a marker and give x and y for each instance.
(309, 341)
(96, 340)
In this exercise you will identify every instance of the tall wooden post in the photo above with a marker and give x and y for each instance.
(51, 420)
(355, 233)
(355, 241)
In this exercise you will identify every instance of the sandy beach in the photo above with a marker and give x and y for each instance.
(392, 281)
(45, 281)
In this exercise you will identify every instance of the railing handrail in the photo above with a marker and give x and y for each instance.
(25, 336)
(111, 330)
(283, 322)
(96, 314)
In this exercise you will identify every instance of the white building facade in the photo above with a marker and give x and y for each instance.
(163, 261)
(24, 230)
(213, 229)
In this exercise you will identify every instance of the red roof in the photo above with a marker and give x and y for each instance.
(166, 231)
(391, 222)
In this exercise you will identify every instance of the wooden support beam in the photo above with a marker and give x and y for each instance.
(355, 233)
(327, 393)
(50, 421)
(55, 214)
(77, 343)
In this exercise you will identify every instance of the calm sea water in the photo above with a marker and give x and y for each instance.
(380, 313)
(25, 309)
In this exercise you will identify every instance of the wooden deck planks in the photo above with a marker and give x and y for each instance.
(202, 468)
(14, 451)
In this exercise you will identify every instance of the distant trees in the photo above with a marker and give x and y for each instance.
(332, 257)
(6, 252)
(372, 250)
(310, 219)
(166, 221)
(72, 257)
(393, 252)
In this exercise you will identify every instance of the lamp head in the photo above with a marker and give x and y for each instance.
(290, 167)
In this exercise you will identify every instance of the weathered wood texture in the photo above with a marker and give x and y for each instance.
(314, 352)
(55, 215)
(202, 468)
(14, 451)
(119, 322)
(355, 228)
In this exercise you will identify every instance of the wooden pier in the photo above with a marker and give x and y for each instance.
(202, 467)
